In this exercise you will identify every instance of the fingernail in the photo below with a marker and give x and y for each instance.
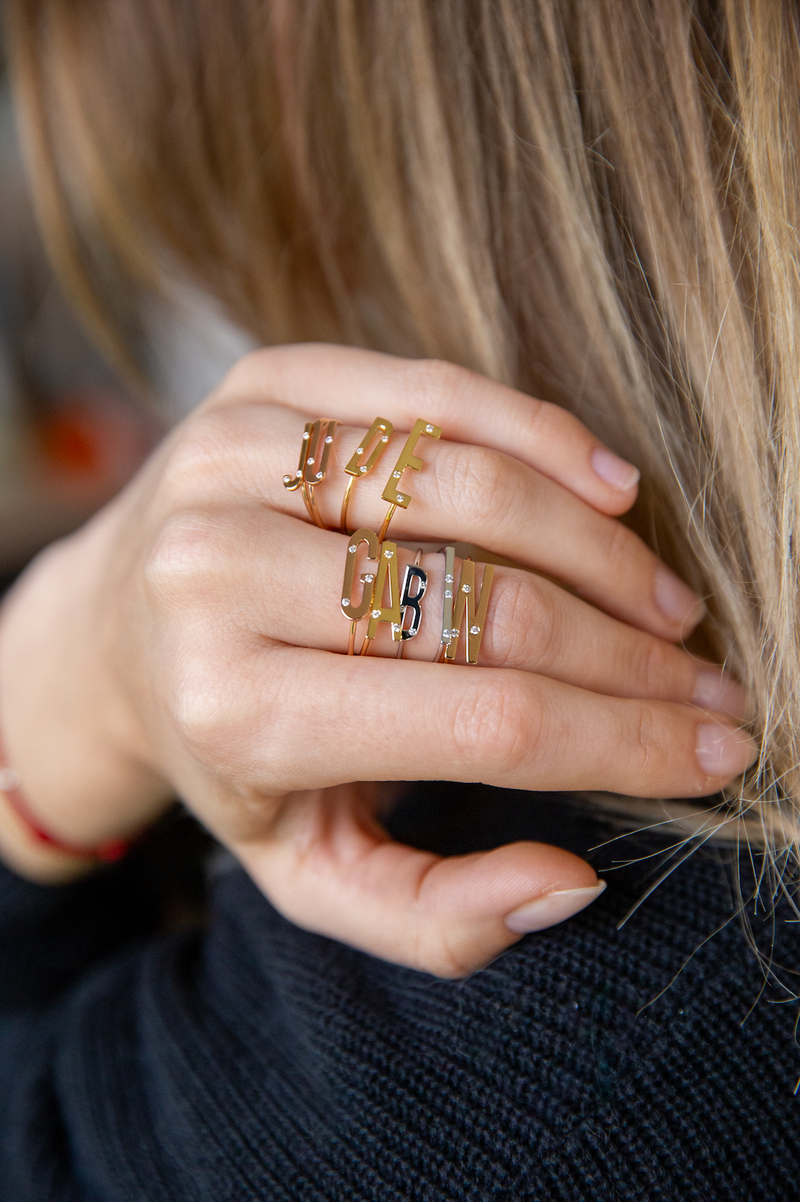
(722, 751)
(615, 471)
(551, 908)
(714, 690)
(676, 600)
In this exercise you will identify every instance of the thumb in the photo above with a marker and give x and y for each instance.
(330, 868)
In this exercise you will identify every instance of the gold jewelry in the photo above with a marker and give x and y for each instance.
(349, 608)
(462, 607)
(382, 429)
(465, 608)
(387, 573)
(374, 588)
(315, 452)
(407, 460)
(447, 602)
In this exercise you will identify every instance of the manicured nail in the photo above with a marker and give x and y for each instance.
(676, 600)
(615, 471)
(714, 690)
(551, 908)
(722, 751)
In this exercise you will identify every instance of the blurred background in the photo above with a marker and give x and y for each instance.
(72, 431)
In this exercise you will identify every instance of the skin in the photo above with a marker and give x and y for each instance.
(189, 639)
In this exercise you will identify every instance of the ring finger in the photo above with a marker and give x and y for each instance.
(532, 624)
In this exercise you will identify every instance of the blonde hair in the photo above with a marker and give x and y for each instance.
(592, 200)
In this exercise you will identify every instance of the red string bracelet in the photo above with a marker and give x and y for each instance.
(108, 851)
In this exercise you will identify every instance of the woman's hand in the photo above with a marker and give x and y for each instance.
(190, 639)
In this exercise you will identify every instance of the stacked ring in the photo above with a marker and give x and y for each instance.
(382, 430)
(463, 608)
(407, 460)
(312, 469)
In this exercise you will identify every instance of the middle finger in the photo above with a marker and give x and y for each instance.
(466, 493)
(478, 495)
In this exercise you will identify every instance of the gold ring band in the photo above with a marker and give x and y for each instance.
(464, 606)
(378, 434)
(312, 468)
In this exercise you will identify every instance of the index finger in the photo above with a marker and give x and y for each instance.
(354, 385)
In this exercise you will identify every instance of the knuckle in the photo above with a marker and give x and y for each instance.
(241, 376)
(194, 458)
(479, 478)
(211, 708)
(653, 668)
(185, 550)
(246, 732)
(435, 943)
(619, 547)
(436, 383)
(443, 957)
(496, 724)
(646, 750)
(201, 705)
(527, 624)
(548, 421)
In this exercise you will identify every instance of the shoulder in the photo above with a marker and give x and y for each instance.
(637, 1057)
(257, 1060)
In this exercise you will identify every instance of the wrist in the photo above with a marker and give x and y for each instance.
(68, 733)
(23, 852)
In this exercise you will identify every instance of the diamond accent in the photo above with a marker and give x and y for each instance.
(397, 475)
(395, 625)
(429, 429)
(388, 554)
(449, 579)
(376, 613)
(309, 462)
(286, 479)
(385, 438)
(306, 436)
(445, 636)
(345, 600)
(368, 578)
(362, 470)
(455, 632)
(329, 438)
(400, 499)
(352, 548)
(298, 475)
(448, 592)
(318, 476)
(474, 629)
(359, 450)
(466, 588)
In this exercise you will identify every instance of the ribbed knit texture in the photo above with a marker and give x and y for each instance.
(257, 1061)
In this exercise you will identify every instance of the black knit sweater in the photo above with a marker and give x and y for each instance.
(252, 1060)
